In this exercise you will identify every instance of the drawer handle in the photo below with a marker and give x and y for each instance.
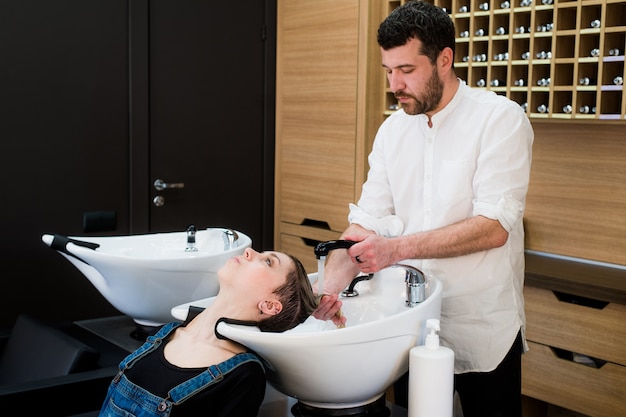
(310, 242)
(580, 300)
(318, 224)
(578, 358)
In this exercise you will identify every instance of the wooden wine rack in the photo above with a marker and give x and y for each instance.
(561, 59)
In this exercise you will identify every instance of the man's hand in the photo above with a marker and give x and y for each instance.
(372, 252)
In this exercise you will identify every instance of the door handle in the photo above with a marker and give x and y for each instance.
(161, 185)
(158, 201)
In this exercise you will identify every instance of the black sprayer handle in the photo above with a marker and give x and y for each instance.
(323, 248)
(59, 242)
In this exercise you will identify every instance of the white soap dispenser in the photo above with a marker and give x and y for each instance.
(431, 377)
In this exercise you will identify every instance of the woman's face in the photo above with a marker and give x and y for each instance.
(256, 273)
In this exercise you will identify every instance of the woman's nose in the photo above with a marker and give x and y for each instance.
(250, 253)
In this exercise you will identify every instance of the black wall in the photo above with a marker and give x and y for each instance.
(74, 129)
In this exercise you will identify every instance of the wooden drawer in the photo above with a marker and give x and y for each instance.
(595, 332)
(587, 390)
(301, 243)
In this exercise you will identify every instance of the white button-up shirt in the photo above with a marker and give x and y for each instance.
(475, 160)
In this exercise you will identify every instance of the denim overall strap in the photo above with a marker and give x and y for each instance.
(213, 374)
(126, 398)
(152, 342)
(124, 393)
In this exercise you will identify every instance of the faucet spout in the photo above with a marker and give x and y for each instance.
(350, 291)
(191, 239)
(323, 248)
(230, 237)
(415, 284)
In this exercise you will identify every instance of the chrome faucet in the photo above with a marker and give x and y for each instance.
(191, 239)
(414, 278)
(229, 237)
(415, 284)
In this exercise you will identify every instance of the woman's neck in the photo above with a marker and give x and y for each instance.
(196, 344)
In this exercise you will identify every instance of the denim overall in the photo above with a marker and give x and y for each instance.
(127, 399)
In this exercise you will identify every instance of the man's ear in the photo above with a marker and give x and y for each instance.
(270, 307)
(446, 59)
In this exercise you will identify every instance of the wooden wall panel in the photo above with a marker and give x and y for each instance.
(576, 203)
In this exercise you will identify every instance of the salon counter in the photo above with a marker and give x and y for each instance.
(575, 315)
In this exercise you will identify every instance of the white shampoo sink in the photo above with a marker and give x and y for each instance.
(144, 276)
(329, 368)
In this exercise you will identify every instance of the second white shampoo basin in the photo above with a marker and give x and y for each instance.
(144, 276)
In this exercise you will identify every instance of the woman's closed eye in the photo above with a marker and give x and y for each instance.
(272, 259)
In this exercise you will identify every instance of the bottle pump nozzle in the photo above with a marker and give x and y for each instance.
(432, 338)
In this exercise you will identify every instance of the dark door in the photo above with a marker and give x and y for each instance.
(207, 115)
(97, 102)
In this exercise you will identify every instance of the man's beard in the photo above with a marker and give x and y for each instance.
(429, 99)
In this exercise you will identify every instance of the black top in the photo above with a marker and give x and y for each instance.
(240, 393)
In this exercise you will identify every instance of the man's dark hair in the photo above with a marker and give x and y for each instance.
(421, 20)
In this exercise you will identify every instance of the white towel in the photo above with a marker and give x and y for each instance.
(388, 226)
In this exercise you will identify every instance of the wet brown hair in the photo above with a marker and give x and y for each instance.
(298, 300)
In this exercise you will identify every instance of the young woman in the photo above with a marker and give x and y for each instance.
(189, 370)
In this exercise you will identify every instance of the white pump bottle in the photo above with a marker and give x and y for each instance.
(431, 377)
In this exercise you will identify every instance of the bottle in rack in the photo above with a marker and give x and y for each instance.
(543, 82)
(587, 81)
(501, 57)
(544, 55)
(587, 109)
(542, 108)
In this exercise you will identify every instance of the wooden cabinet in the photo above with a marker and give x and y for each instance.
(558, 59)
(577, 356)
(324, 63)
(575, 314)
